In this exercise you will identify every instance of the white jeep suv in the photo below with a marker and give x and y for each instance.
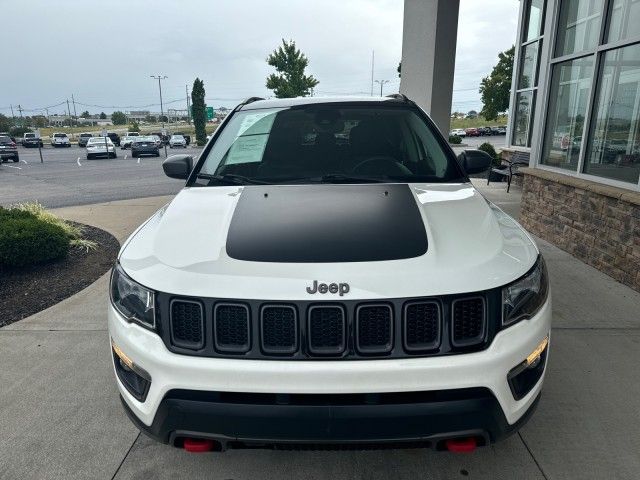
(329, 276)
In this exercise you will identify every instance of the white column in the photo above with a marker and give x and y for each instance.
(429, 56)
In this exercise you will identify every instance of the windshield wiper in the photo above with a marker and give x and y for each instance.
(231, 179)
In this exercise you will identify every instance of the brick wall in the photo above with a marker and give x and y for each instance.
(596, 223)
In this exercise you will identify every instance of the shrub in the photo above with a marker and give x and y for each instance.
(25, 239)
(488, 148)
(455, 139)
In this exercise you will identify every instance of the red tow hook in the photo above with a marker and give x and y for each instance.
(198, 445)
(461, 445)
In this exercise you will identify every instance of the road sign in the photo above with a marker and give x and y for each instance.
(104, 132)
(209, 113)
(37, 133)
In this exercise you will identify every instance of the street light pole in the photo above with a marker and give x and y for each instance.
(382, 82)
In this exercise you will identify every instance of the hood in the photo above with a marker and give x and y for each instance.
(272, 242)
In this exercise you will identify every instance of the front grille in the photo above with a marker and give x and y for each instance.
(333, 328)
(279, 329)
(327, 328)
(187, 324)
(422, 326)
(469, 322)
(231, 328)
(374, 329)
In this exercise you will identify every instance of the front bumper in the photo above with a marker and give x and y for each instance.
(165, 417)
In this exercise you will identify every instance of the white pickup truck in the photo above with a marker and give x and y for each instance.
(60, 140)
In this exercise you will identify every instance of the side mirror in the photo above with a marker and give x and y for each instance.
(178, 166)
(475, 161)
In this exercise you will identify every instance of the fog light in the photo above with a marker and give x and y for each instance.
(134, 378)
(523, 377)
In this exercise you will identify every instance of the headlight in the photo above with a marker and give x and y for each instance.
(523, 298)
(132, 300)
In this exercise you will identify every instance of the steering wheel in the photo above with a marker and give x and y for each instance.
(381, 165)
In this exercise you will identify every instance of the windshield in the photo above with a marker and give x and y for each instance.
(144, 139)
(60, 135)
(4, 139)
(333, 143)
(99, 140)
(29, 135)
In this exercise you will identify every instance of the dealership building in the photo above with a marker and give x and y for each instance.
(574, 115)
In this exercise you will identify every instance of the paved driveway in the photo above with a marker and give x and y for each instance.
(60, 416)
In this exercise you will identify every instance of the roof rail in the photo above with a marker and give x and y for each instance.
(398, 96)
(251, 100)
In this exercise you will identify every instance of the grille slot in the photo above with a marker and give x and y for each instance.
(187, 324)
(231, 328)
(374, 329)
(422, 326)
(327, 330)
(279, 329)
(469, 322)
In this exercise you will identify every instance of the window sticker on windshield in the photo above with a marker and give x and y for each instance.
(259, 122)
(247, 149)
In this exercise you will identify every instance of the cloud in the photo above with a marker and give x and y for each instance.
(104, 53)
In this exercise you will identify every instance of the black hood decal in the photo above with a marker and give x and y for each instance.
(326, 223)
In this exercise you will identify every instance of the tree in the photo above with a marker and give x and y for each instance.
(103, 116)
(474, 114)
(5, 123)
(496, 88)
(118, 118)
(134, 127)
(290, 64)
(150, 119)
(199, 111)
(164, 118)
(85, 114)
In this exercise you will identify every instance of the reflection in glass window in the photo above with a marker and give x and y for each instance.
(614, 150)
(524, 107)
(625, 20)
(579, 26)
(568, 100)
(534, 19)
(529, 61)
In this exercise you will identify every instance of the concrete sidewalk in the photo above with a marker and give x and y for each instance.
(60, 416)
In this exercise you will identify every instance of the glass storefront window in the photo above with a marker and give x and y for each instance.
(535, 10)
(624, 20)
(528, 71)
(579, 26)
(568, 99)
(614, 146)
(522, 121)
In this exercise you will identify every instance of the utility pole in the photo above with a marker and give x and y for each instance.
(186, 89)
(13, 117)
(75, 115)
(48, 119)
(69, 112)
(382, 82)
(160, 78)
(373, 59)
(20, 110)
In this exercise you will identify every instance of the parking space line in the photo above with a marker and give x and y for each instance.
(11, 166)
(78, 161)
(24, 161)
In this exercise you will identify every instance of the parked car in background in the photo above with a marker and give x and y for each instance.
(458, 132)
(502, 130)
(472, 132)
(156, 139)
(7, 134)
(132, 134)
(8, 149)
(29, 140)
(60, 140)
(495, 130)
(485, 131)
(83, 138)
(145, 145)
(177, 141)
(186, 137)
(115, 138)
(101, 147)
(125, 142)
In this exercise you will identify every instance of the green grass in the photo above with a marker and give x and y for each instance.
(477, 122)
(74, 131)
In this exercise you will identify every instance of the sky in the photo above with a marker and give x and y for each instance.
(104, 52)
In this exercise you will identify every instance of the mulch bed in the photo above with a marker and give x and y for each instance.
(28, 290)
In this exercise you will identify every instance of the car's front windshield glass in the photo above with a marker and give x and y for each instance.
(329, 143)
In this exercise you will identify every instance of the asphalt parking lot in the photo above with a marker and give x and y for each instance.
(66, 177)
